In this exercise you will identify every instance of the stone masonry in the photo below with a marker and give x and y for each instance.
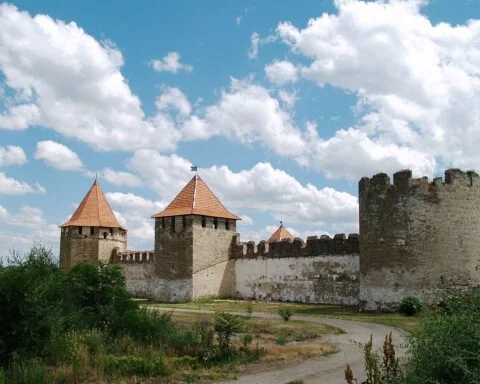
(417, 238)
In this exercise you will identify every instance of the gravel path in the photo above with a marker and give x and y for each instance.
(327, 369)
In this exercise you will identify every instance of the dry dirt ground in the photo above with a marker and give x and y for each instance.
(327, 369)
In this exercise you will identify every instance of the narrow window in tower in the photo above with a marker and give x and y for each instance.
(111, 231)
(104, 235)
(163, 223)
(79, 230)
(215, 223)
(172, 224)
(92, 230)
(204, 221)
(227, 224)
(184, 222)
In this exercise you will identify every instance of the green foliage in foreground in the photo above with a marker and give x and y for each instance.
(81, 325)
(445, 349)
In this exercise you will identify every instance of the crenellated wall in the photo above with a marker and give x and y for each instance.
(139, 270)
(418, 238)
(323, 270)
(340, 244)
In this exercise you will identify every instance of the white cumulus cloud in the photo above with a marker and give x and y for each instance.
(12, 155)
(170, 63)
(63, 79)
(174, 98)
(119, 178)
(417, 83)
(261, 189)
(58, 156)
(11, 186)
(281, 72)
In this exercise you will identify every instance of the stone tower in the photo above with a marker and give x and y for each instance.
(93, 231)
(418, 237)
(193, 235)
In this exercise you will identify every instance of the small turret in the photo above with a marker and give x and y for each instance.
(280, 234)
(93, 232)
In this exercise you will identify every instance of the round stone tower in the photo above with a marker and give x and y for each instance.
(93, 231)
(193, 236)
(418, 238)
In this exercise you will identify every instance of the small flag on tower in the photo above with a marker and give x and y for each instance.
(193, 168)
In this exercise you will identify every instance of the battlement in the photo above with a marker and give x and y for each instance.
(129, 257)
(403, 182)
(314, 246)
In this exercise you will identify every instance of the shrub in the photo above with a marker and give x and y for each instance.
(249, 309)
(410, 306)
(459, 302)
(285, 313)
(226, 325)
(145, 325)
(134, 365)
(281, 339)
(445, 348)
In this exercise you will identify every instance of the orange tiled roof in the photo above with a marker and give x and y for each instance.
(94, 211)
(196, 198)
(280, 234)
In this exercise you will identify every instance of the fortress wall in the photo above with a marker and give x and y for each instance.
(139, 270)
(418, 238)
(322, 270)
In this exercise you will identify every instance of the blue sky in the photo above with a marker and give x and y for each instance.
(282, 105)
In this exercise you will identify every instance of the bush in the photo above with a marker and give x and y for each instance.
(285, 313)
(410, 306)
(281, 339)
(445, 349)
(249, 309)
(226, 325)
(464, 301)
(29, 311)
(134, 365)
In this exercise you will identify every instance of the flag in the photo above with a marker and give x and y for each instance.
(193, 168)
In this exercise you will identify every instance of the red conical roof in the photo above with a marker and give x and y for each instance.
(94, 211)
(280, 234)
(196, 198)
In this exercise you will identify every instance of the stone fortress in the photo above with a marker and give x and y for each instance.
(417, 238)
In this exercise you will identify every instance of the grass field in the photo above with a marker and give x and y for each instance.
(407, 323)
(279, 340)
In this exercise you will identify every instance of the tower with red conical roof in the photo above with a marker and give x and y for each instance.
(193, 235)
(93, 231)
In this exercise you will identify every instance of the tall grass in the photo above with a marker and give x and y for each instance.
(81, 325)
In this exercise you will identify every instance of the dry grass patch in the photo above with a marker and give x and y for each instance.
(408, 323)
(282, 341)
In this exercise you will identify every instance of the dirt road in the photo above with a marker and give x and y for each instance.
(327, 369)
